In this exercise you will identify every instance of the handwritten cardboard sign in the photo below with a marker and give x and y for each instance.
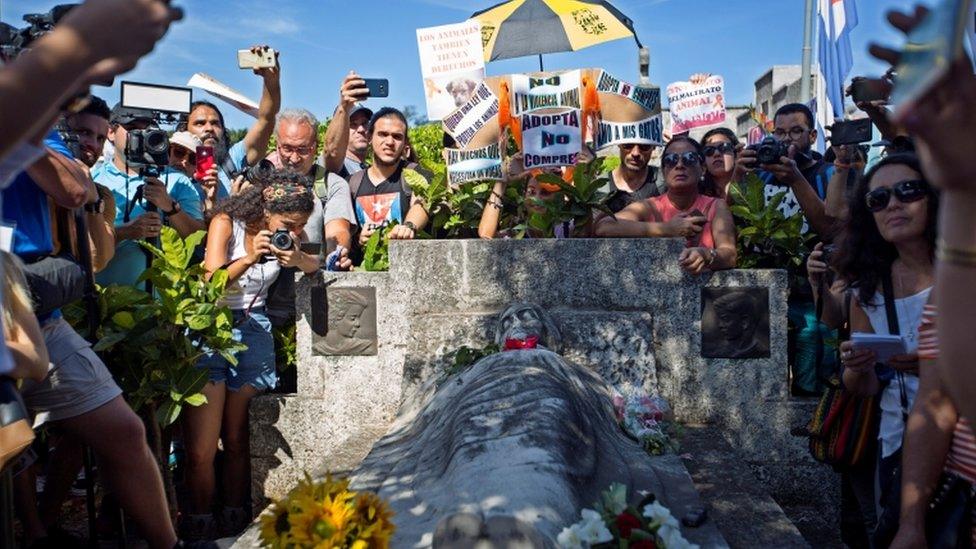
(452, 63)
(696, 105)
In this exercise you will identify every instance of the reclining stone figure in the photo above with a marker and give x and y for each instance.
(506, 453)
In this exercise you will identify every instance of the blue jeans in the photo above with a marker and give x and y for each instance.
(256, 364)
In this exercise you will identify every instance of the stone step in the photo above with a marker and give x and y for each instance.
(736, 500)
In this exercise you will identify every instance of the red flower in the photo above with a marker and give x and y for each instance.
(643, 544)
(627, 522)
(513, 344)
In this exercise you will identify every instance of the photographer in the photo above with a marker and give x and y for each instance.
(347, 137)
(798, 168)
(254, 236)
(78, 397)
(144, 202)
(207, 123)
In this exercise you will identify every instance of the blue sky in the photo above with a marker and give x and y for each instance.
(321, 40)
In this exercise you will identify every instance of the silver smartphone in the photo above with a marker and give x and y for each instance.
(263, 59)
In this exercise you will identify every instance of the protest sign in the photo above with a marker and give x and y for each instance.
(464, 123)
(696, 105)
(532, 93)
(647, 97)
(645, 132)
(474, 165)
(452, 63)
(215, 88)
(551, 139)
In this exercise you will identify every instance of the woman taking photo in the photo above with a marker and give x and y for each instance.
(704, 221)
(253, 235)
(886, 255)
(719, 147)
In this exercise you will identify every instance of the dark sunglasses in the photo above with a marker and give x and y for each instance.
(905, 191)
(723, 148)
(641, 147)
(690, 158)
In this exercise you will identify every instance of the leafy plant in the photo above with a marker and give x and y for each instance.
(427, 143)
(152, 343)
(576, 202)
(376, 254)
(286, 346)
(767, 239)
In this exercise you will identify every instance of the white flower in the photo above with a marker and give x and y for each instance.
(569, 538)
(671, 538)
(615, 498)
(660, 514)
(592, 529)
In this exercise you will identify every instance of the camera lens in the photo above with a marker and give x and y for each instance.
(282, 240)
(157, 141)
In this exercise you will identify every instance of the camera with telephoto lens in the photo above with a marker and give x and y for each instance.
(13, 40)
(769, 150)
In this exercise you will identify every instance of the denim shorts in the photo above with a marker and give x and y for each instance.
(255, 365)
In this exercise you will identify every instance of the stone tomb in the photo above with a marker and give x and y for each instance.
(624, 308)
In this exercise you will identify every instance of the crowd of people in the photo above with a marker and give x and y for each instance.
(896, 255)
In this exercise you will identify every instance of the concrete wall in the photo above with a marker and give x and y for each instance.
(623, 306)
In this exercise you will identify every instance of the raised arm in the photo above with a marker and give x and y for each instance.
(337, 135)
(259, 135)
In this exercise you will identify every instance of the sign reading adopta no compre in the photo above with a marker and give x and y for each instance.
(551, 139)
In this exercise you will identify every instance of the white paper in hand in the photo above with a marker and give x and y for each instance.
(884, 346)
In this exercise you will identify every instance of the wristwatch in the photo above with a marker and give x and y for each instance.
(411, 226)
(96, 207)
(712, 254)
(176, 209)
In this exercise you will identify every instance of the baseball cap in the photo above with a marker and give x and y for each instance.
(358, 108)
(186, 140)
(126, 115)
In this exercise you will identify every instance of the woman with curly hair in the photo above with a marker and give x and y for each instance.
(887, 253)
(240, 241)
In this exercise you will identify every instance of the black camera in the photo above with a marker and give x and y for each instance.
(13, 40)
(147, 149)
(769, 150)
(259, 172)
(282, 239)
(828, 253)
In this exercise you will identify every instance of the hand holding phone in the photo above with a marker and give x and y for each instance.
(205, 161)
(378, 87)
(257, 58)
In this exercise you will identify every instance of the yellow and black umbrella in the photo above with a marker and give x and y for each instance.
(533, 27)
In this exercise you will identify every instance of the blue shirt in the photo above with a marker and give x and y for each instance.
(237, 155)
(130, 260)
(25, 204)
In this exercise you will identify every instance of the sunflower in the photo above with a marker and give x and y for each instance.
(374, 522)
(275, 526)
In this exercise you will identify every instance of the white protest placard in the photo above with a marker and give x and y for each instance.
(643, 132)
(647, 97)
(464, 123)
(452, 62)
(696, 105)
(474, 165)
(532, 93)
(551, 139)
(223, 92)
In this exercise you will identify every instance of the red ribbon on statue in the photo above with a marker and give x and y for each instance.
(514, 344)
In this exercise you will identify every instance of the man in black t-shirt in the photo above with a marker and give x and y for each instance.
(381, 193)
(634, 179)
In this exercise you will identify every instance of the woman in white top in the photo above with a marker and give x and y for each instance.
(249, 237)
(890, 233)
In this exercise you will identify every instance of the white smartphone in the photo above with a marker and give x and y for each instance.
(263, 59)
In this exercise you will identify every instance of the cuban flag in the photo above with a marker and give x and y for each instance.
(837, 18)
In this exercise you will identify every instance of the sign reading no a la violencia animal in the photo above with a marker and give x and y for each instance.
(696, 105)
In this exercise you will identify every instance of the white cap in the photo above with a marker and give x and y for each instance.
(186, 140)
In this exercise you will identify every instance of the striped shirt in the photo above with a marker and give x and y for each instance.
(961, 460)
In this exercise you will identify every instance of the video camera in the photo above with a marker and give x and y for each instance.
(13, 40)
(148, 148)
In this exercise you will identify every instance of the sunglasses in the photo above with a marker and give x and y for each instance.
(723, 148)
(179, 153)
(690, 158)
(642, 148)
(905, 191)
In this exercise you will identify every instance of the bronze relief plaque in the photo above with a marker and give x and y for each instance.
(343, 321)
(735, 323)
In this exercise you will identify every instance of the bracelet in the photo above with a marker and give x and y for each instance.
(712, 254)
(960, 257)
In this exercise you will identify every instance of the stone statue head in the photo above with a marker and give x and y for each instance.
(737, 316)
(521, 320)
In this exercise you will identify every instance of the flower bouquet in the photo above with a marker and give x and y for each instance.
(326, 514)
(614, 524)
(647, 419)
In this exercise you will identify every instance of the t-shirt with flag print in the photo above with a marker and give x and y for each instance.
(379, 204)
